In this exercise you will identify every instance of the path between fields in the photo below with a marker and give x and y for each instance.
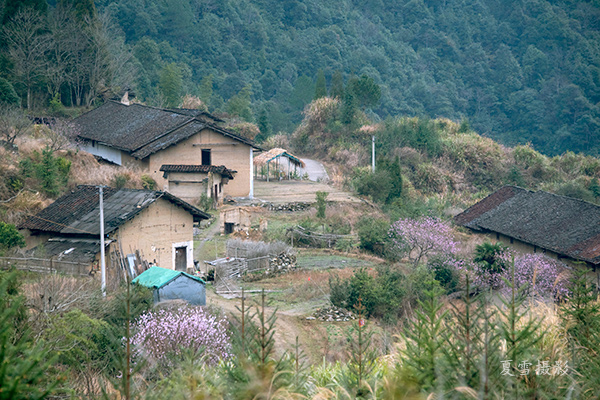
(287, 326)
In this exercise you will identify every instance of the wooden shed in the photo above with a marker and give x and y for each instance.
(173, 285)
(272, 162)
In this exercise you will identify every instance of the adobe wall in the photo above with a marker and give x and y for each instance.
(224, 151)
(156, 231)
(190, 186)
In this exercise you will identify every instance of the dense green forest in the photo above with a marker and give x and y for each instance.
(520, 71)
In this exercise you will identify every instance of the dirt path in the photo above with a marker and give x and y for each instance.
(289, 323)
(315, 170)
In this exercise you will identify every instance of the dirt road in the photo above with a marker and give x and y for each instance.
(315, 170)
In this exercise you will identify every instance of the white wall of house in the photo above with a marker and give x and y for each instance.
(105, 152)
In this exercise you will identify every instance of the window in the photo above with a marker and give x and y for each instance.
(206, 157)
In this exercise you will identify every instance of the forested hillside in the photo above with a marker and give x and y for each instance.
(519, 71)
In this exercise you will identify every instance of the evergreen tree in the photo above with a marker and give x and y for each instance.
(365, 90)
(8, 96)
(171, 85)
(521, 334)
(321, 85)
(239, 104)
(349, 107)
(424, 340)
(264, 125)
(362, 357)
(337, 85)
(206, 89)
(24, 363)
(581, 318)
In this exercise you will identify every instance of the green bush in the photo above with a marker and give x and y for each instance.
(119, 181)
(49, 173)
(489, 256)
(10, 237)
(148, 183)
(8, 96)
(383, 294)
(576, 190)
(373, 234)
(444, 271)
(376, 185)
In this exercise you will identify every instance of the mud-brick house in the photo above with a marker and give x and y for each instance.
(155, 225)
(150, 138)
(190, 182)
(562, 227)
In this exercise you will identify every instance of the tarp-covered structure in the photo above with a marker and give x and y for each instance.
(168, 284)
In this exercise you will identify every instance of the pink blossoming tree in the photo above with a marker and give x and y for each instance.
(422, 237)
(165, 334)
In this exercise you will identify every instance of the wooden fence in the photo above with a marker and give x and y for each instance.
(45, 265)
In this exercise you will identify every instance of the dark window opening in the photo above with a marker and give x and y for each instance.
(228, 228)
(180, 258)
(511, 241)
(497, 236)
(220, 187)
(206, 157)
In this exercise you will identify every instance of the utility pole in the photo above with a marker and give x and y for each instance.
(102, 257)
(373, 154)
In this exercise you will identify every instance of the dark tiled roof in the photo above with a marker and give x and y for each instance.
(201, 115)
(68, 249)
(143, 130)
(219, 169)
(564, 225)
(78, 212)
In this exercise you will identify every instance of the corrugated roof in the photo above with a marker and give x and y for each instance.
(219, 169)
(78, 212)
(142, 130)
(157, 277)
(564, 225)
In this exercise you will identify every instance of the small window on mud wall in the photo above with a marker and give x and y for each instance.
(206, 157)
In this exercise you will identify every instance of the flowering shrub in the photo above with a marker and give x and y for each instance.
(538, 274)
(422, 237)
(164, 334)
(535, 274)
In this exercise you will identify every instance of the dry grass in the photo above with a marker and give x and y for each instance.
(85, 169)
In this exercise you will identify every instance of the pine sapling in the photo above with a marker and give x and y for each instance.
(362, 357)
(424, 339)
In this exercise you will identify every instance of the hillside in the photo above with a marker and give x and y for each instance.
(524, 71)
